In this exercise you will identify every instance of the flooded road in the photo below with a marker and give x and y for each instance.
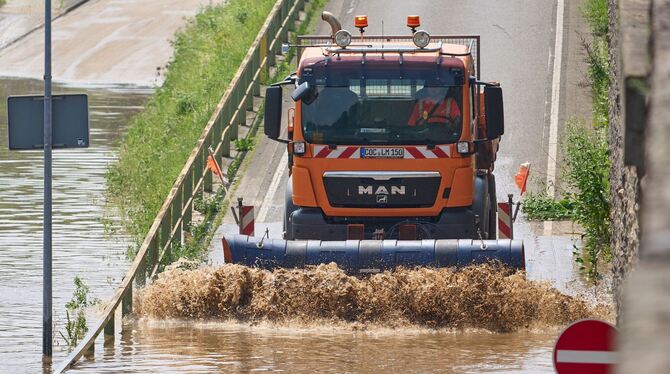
(197, 347)
(80, 246)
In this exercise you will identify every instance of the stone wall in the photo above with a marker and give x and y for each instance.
(624, 180)
(644, 339)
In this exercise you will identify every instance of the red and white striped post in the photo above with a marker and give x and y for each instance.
(246, 221)
(505, 224)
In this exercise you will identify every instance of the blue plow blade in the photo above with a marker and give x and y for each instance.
(361, 256)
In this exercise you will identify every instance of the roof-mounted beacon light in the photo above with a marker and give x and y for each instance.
(361, 22)
(421, 39)
(342, 38)
(413, 22)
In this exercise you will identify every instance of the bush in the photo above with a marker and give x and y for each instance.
(587, 173)
(543, 208)
(76, 326)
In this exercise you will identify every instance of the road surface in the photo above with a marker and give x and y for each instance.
(104, 42)
(520, 40)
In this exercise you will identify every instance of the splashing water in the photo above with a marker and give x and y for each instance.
(483, 296)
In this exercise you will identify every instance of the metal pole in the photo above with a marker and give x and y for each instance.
(239, 211)
(47, 334)
(512, 216)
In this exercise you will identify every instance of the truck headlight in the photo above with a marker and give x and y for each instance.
(421, 39)
(299, 148)
(343, 38)
(463, 148)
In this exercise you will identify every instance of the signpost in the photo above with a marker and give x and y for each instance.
(586, 346)
(47, 323)
(30, 127)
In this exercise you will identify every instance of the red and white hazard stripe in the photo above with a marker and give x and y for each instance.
(411, 152)
(504, 221)
(247, 220)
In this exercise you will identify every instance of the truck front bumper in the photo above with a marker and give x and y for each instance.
(311, 223)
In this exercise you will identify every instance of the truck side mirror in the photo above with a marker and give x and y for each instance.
(495, 117)
(273, 107)
(305, 93)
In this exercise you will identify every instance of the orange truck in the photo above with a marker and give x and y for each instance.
(391, 145)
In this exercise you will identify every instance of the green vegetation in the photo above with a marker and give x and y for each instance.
(587, 172)
(207, 54)
(3, 2)
(75, 313)
(540, 207)
(244, 144)
(586, 168)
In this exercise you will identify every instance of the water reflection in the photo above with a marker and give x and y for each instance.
(158, 346)
(80, 244)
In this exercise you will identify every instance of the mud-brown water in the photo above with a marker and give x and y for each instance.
(236, 319)
(80, 244)
(484, 297)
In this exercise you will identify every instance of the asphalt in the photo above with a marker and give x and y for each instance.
(518, 40)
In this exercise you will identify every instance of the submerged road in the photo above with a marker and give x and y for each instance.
(104, 42)
(533, 49)
(519, 44)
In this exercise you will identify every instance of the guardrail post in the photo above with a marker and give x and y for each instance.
(165, 229)
(198, 168)
(263, 54)
(207, 178)
(225, 147)
(127, 302)
(141, 274)
(90, 352)
(188, 193)
(240, 121)
(270, 52)
(109, 330)
(176, 214)
(257, 65)
(152, 254)
(249, 87)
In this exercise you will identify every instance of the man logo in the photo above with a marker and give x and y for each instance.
(381, 190)
(382, 199)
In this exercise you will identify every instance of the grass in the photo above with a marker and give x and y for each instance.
(175, 116)
(586, 167)
(208, 52)
(3, 2)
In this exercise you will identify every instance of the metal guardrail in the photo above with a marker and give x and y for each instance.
(176, 212)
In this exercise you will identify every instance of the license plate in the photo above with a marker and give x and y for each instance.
(367, 152)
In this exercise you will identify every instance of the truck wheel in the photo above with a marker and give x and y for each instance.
(480, 205)
(493, 214)
(289, 208)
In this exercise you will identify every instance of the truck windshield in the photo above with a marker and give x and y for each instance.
(400, 104)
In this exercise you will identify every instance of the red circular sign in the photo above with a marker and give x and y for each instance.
(586, 346)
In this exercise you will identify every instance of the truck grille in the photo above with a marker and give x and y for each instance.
(381, 189)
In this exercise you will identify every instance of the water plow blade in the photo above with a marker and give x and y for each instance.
(360, 256)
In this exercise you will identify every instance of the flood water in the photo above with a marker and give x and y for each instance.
(197, 347)
(80, 246)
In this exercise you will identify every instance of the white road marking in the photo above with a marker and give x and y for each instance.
(586, 357)
(553, 118)
(274, 185)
